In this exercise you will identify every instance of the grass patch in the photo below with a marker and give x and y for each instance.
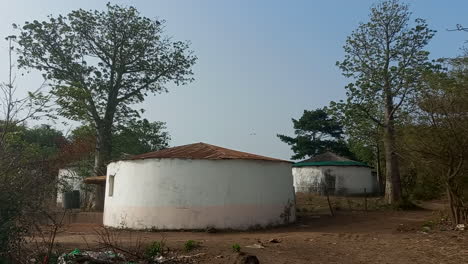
(191, 245)
(155, 249)
(236, 247)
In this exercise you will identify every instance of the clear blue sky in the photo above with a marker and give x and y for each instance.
(260, 62)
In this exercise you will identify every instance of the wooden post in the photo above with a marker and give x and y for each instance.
(365, 199)
(328, 200)
(348, 201)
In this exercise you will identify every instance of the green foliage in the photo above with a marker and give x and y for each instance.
(316, 132)
(26, 183)
(363, 134)
(38, 143)
(236, 248)
(405, 204)
(363, 150)
(155, 249)
(191, 245)
(133, 137)
(385, 57)
(438, 137)
(427, 187)
(26, 162)
(103, 62)
(83, 132)
(47, 139)
(139, 136)
(386, 60)
(115, 53)
(419, 181)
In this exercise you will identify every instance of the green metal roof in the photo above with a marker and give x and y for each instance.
(331, 163)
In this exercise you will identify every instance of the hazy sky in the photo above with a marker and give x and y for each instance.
(260, 62)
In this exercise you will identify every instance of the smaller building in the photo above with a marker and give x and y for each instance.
(72, 193)
(68, 184)
(338, 175)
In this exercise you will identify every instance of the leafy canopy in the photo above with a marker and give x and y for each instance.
(316, 132)
(363, 135)
(131, 138)
(140, 136)
(385, 58)
(436, 142)
(101, 62)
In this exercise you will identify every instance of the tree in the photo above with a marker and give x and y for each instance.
(440, 133)
(25, 182)
(363, 135)
(46, 138)
(385, 58)
(99, 63)
(140, 136)
(316, 132)
(134, 137)
(16, 110)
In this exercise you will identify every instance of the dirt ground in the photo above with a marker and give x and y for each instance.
(348, 237)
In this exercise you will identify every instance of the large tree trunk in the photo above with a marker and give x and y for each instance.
(458, 211)
(380, 178)
(392, 168)
(102, 157)
(454, 212)
(103, 152)
(104, 143)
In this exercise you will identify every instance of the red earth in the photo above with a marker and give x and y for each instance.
(348, 237)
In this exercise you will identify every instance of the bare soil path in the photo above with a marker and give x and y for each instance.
(349, 237)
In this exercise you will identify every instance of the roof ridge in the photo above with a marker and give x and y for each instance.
(331, 163)
(327, 156)
(202, 150)
(213, 148)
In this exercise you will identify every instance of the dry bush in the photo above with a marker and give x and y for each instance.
(25, 195)
(128, 243)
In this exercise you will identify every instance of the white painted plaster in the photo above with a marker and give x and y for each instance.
(195, 194)
(307, 179)
(68, 180)
(348, 179)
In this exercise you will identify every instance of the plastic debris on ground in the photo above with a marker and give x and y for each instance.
(78, 256)
(255, 246)
(90, 257)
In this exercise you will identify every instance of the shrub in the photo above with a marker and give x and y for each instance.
(236, 247)
(155, 249)
(191, 245)
(405, 204)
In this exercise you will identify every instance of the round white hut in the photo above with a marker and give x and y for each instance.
(340, 175)
(198, 186)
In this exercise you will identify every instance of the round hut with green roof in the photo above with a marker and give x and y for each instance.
(340, 175)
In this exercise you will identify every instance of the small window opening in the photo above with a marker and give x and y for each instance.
(111, 185)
